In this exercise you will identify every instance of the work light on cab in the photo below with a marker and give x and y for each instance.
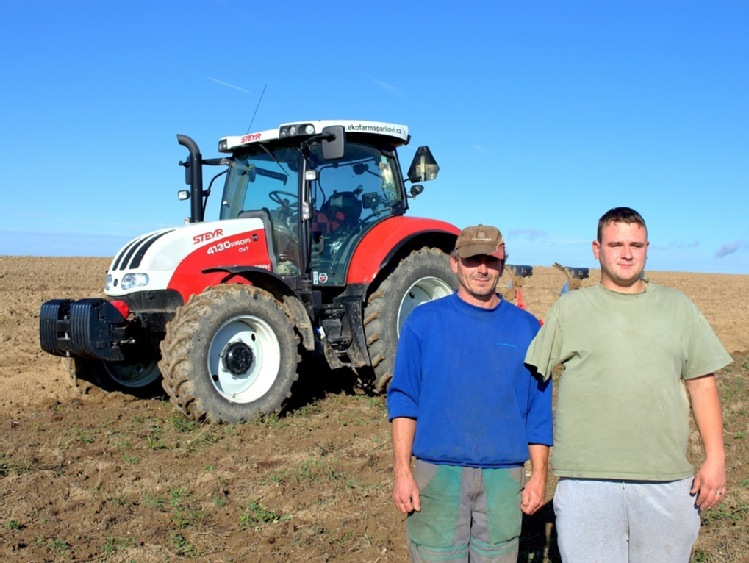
(296, 129)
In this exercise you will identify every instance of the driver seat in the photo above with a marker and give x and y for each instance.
(340, 211)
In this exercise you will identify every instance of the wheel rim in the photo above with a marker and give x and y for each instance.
(421, 291)
(244, 359)
(133, 375)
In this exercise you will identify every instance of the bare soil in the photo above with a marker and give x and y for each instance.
(108, 477)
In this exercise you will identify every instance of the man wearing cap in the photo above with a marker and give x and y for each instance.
(463, 403)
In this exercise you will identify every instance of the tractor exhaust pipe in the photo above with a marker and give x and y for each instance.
(193, 177)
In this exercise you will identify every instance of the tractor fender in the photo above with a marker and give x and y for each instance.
(276, 286)
(397, 236)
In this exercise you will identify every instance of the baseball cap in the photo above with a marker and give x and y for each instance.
(480, 239)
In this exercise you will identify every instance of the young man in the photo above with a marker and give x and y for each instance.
(629, 349)
(466, 407)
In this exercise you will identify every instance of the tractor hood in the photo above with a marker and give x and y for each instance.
(152, 261)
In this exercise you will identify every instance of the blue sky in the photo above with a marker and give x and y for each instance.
(541, 114)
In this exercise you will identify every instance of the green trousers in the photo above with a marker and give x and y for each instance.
(467, 514)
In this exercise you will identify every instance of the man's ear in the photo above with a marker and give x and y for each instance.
(596, 249)
(454, 264)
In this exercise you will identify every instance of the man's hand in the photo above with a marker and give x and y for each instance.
(710, 481)
(405, 490)
(709, 485)
(406, 494)
(532, 497)
(534, 492)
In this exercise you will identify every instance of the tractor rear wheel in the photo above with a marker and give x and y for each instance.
(230, 354)
(422, 276)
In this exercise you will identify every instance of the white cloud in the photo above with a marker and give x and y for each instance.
(389, 88)
(731, 247)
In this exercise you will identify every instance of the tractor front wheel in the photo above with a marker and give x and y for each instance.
(422, 276)
(230, 354)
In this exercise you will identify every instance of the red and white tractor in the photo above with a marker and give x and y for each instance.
(312, 253)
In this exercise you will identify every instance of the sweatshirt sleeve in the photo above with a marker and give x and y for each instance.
(404, 391)
(539, 425)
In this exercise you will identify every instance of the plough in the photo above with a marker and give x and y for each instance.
(518, 273)
(575, 277)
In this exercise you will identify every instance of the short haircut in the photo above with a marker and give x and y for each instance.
(620, 215)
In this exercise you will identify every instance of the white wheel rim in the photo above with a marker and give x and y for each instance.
(421, 291)
(258, 336)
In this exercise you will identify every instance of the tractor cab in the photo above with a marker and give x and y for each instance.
(319, 187)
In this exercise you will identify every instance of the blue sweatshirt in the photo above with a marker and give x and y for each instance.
(459, 372)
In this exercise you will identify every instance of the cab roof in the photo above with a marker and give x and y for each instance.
(398, 134)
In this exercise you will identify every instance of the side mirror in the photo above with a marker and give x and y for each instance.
(416, 190)
(423, 167)
(333, 142)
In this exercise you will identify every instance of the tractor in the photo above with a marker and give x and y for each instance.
(312, 255)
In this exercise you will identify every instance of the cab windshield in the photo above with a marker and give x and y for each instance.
(262, 181)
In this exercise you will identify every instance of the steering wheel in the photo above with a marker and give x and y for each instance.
(275, 197)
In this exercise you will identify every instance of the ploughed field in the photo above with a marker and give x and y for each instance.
(108, 477)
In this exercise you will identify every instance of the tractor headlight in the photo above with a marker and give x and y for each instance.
(130, 281)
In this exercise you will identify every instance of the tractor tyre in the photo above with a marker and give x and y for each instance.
(230, 354)
(422, 276)
(141, 379)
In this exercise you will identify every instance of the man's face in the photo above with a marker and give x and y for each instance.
(477, 278)
(622, 253)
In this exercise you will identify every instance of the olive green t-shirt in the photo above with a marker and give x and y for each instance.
(622, 411)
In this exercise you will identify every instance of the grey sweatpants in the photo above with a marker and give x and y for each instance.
(625, 521)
